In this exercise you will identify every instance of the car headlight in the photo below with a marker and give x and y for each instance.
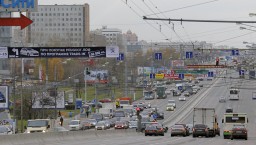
(28, 131)
(43, 131)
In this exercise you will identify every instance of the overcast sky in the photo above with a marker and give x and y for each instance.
(118, 14)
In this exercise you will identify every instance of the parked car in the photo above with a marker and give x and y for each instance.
(239, 131)
(200, 130)
(100, 125)
(178, 130)
(151, 130)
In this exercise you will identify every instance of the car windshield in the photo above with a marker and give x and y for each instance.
(74, 122)
(171, 101)
(169, 105)
(199, 126)
(37, 123)
(147, 94)
(151, 127)
(177, 126)
(119, 114)
(100, 123)
(133, 123)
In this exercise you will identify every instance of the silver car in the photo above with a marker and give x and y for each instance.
(222, 99)
(101, 125)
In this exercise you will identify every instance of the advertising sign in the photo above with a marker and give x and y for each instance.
(98, 76)
(191, 71)
(177, 63)
(35, 52)
(159, 76)
(4, 97)
(112, 51)
(44, 100)
(18, 5)
(145, 70)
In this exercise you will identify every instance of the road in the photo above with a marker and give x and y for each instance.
(210, 100)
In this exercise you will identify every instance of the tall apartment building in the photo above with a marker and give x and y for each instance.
(113, 35)
(60, 25)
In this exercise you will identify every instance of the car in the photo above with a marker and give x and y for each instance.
(108, 124)
(151, 130)
(185, 126)
(182, 98)
(4, 130)
(222, 99)
(239, 131)
(172, 102)
(209, 79)
(97, 117)
(105, 100)
(133, 124)
(167, 91)
(201, 79)
(93, 122)
(86, 125)
(186, 94)
(200, 130)
(121, 125)
(201, 85)
(178, 130)
(2, 98)
(101, 125)
(29, 52)
(196, 81)
(176, 93)
(75, 125)
(169, 107)
(229, 109)
(160, 129)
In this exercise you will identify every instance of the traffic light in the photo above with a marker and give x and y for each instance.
(137, 111)
(217, 61)
(88, 71)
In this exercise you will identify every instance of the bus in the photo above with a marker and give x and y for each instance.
(233, 94)
(231, 119)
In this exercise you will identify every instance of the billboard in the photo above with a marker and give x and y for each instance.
(44, 100)
(97, 76)
(18, 5)
(4, 97)
(177, 63)
(145, 70)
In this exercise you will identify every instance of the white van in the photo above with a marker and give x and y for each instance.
(75, 125)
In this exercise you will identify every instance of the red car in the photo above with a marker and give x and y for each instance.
(105, 100)
(121, 125)
(239, 131)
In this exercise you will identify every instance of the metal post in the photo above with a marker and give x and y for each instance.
(85, 85)
(55, 101)
(21, 95)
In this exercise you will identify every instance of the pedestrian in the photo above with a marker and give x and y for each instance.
(61, 121)
(87, 113)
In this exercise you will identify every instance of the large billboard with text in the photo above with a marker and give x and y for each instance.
(4, 97)
(97, 76)
(44, 100)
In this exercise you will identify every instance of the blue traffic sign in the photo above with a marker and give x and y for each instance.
(189, 54)
(152, 75)
(155, 116)
(210, 74)
(120, 57)
(241, 72)
(235, 52)
(158, 56)
(181, 76)
(179, 87)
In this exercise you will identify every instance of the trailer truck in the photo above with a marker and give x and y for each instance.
(206, 116)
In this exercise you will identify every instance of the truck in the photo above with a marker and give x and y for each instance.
(124, 101)
(107, 108)
(39, 125)
(160, 92)
(207, 116)
(148, 94)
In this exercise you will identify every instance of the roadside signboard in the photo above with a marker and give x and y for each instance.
(18, 5)
(4, 97)
(191, 71)
(44, 100)
(177, 63)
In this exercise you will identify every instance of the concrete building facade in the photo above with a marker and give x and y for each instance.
(60, 25)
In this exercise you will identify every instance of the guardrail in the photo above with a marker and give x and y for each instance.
(39, 138)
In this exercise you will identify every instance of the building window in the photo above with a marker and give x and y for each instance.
(79, 14)
(33, 14)
(66, 14)
(71, 19)
(42, 14)
(75, 19)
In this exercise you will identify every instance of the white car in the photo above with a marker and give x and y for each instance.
(29, 52)
(75, 125)
(182, 98)
(167, 92)
(100, 125)
(172, 102)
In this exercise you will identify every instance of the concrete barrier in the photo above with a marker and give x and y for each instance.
(42, 138)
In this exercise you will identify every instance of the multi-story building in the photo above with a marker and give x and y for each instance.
(60, 25)
(131, 38)
(113, 35)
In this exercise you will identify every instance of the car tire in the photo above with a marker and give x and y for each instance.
(246, 138)
(194, 136)
(146, 134)
(231, 138)
(184, 135)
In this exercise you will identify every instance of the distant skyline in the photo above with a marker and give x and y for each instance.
(118, 14)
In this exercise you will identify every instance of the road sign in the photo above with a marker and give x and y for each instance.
(179, 87)
(181, 76)
(18, 5)
(23, 21)
(189, 54)
(158, 56)
(235, 52)
(241, 72)
(152, 75)
(210, 74)
(120, 57)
